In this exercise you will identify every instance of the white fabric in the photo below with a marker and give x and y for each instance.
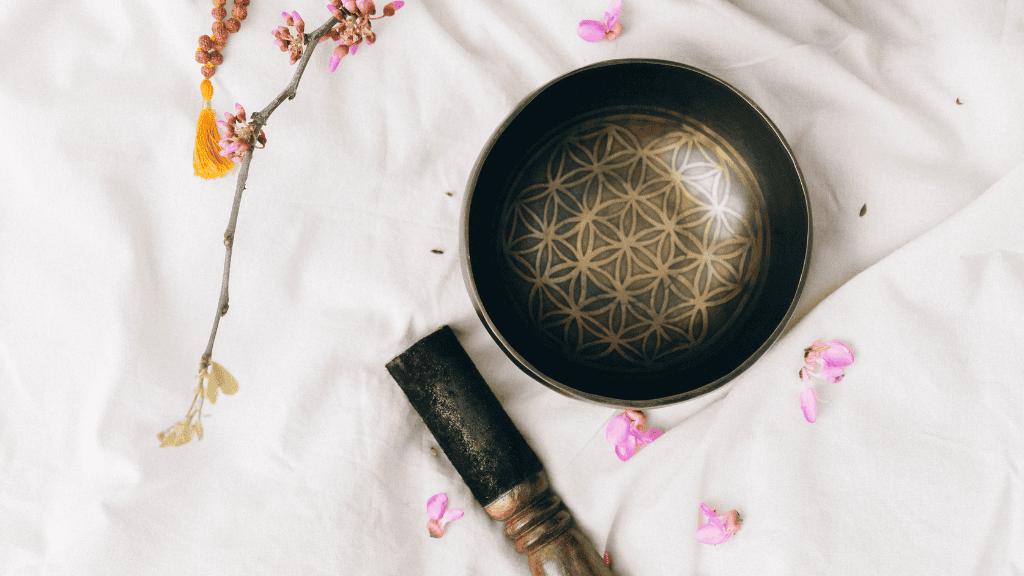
(111, 260)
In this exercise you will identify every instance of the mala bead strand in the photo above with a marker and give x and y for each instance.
(206, 159)
(208, 54)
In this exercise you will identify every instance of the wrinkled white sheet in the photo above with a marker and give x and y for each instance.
(111, 259)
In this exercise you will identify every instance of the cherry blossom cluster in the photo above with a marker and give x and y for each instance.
(354, 25)
(238, 140)
(208, 54)
(288, 42)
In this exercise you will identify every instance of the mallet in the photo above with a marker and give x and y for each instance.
(487, 450)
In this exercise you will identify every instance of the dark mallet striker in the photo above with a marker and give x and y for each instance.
(467, 420)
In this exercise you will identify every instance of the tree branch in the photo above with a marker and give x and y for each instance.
(259, 120)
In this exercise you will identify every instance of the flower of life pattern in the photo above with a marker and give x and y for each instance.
(633, 240)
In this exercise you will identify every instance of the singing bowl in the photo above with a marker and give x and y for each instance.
(635, 233)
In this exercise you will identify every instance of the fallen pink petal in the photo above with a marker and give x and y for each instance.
(836, 357)
(809, 404)
(716, 529)
(439, 515)
(628, 432)
(609, 29)
(825, 360)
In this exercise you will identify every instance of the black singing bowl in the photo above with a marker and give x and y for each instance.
(636, 233)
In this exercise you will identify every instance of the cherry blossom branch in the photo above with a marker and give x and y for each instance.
(259, 119)
(349, 25)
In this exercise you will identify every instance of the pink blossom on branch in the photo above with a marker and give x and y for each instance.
(354, 27)
(284, 39)
(609, 29)
(238, 140)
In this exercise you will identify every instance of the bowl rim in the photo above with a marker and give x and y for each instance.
(536, 374)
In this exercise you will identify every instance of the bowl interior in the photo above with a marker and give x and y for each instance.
(636, 233)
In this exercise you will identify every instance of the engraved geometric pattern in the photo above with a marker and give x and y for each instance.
(634, 240)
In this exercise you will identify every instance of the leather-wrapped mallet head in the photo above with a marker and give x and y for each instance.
(465, 417)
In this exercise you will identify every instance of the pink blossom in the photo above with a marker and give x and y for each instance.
(284, 39)
(354, 24)
(717, 529)
(238, 140)
(439, 515)
(609, 29)
(628, 432)
(824, 360)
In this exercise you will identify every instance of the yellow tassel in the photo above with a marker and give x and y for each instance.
(206, 158)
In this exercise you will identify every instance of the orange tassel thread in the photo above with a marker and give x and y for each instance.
(206, 158)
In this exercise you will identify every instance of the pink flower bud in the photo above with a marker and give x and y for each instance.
(366, 7)
(389, 10)
(340, 52)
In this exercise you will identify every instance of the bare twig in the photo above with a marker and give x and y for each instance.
(259, 120)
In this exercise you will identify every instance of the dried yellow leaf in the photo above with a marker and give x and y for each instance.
(211, 391)
(225, 381)
(183, 434)
(170, 438)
